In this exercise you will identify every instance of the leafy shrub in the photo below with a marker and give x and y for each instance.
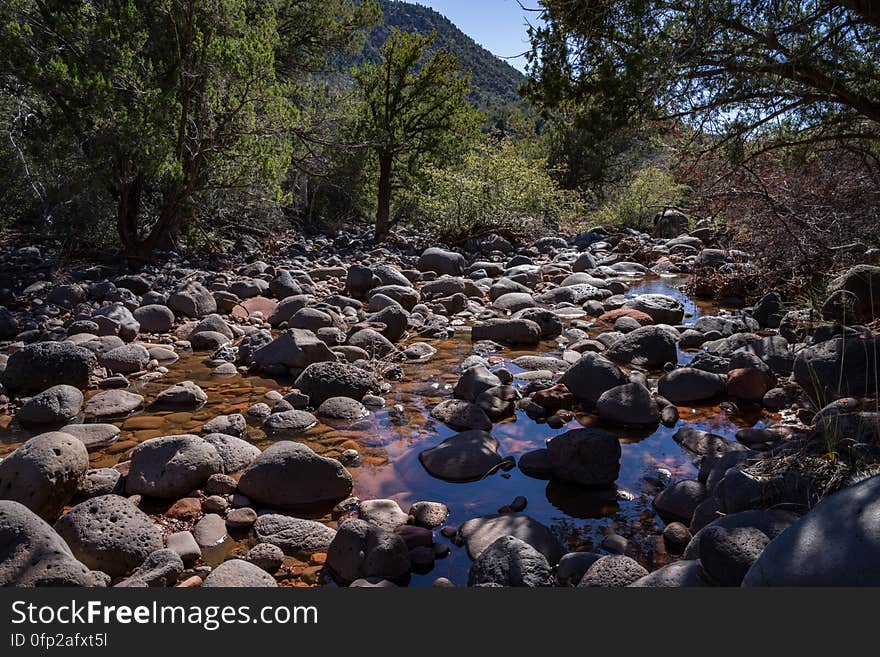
(650, 190)
(498, 188)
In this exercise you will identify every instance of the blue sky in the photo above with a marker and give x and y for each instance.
(497, 25)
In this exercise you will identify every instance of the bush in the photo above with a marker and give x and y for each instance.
(498, 188)
(650, 190)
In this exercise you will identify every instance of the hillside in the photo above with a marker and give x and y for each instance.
(493, 81)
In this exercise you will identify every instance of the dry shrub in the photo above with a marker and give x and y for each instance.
(804, 214)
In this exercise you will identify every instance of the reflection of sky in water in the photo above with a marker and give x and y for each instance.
(669, 285)
(390, 439)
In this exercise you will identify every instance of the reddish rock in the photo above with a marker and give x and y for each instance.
(556, 398)
(749, 384)
(613, 315)
(188, 508)
(248, 307)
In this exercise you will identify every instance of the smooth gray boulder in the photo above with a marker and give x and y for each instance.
(294, 536)
(171, 466)
(192, 299)
(591, 376)
(461, 415)
(56, 405)
(650, 347)
(688, 385)
(837, 543)
(474, 381)
(183, 394)
(466, 456)
(154, 318)
(112, 404)
(293, 349)
(93, 436)
(235, 453)
(663, 309)
(125, 359)
(480, 533)
(678, 502)
(289, 422)
(629, 405)
(321, 381)
(441, 261)
(238, 573)
(361, 550)
(509, 331)
(233, 424)
(290, 475)
(386, 514)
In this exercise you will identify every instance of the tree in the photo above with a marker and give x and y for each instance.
(415, 112)
(166, 100)
(788, 71)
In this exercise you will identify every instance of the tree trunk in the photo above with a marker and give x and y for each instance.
(127, 210)
(383, 211)
(134, 245)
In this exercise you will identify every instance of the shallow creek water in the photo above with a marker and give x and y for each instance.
(390, 439)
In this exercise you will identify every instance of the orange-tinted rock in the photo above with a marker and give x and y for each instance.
(613, 315)
(248, 307)
(188, 508)
(555, 398)
(749, 384)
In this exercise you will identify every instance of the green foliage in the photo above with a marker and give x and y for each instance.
(649, 191)
(810, 70)
(500, 187)
(415, 114)
(159, 105)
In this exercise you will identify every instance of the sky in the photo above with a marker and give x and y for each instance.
(497, 25)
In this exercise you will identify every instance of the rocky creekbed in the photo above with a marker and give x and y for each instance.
(558, 413)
